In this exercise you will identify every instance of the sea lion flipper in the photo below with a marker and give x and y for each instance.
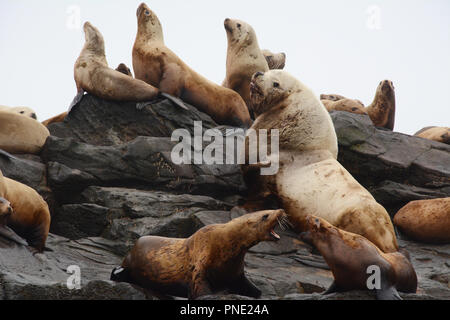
(333, 288)
(8, 233)
(199, 286)
(76, 100)
(243, 286)
(175, 100)
(389, 293)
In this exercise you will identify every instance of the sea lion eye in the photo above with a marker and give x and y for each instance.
(147, 13)
(22, 112)
(265, 217)
(276, 84)
(238, 25)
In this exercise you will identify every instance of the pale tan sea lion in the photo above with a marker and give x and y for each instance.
(348, 105)
(25, 111)
(19, 134)
(439, 134)
(93, 75)
(244, 58)
(310, 180)
(274, 60)
(157, 65)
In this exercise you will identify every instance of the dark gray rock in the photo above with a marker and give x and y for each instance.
(143, 163)
(382, 161)
(104, 123)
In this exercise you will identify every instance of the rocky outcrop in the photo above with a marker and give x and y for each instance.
(108, 172)
(395, 167)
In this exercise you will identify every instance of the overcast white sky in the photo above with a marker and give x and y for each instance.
(344, 47)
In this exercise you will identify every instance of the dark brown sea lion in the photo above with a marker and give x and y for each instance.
(351, 258)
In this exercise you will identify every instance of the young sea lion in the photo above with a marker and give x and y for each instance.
(24, 111)
(425, 220)
(157, 65)
(211, 260)
(350, 255)
(439, 134)
(124, 69)
(348, 105)
(382, 109)
(310, 180)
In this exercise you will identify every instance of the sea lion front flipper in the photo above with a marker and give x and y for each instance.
(388, 294)
(199, 287)
(243, 286)
(175, 100)
(333, 288)
(76, 100)
(7, 155)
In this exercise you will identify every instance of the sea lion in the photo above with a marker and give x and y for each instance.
(157, 65)
(211, 260)
(332, 97)
(425, 220)
(25, 111)
(348, 105)
(382, 109)
(310, 180)
(274, 60)
(244, 58)
(31, 216)
(93, 75)
(124, 69)
(19, 134)
(439, 134)
(350, 255)
(55, 119)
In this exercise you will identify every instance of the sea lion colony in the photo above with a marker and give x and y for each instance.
(332, 210)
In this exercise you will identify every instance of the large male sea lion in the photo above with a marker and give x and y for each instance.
(93, 75)
(244, 58)
(25, 111)
(310, 180)
(425, 220)
(157, 65)
(19, 134)
(211, 260)
(439, 134)
(31, 217)
(351, 258)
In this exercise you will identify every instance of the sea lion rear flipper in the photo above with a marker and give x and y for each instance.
(388, 294)
(175, 100)
(243, 286)
(76, 100)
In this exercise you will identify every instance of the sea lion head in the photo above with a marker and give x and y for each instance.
(274, 60)
(27, 112)
(5, 210)
(124, 69)
(272, 88)
(261, 224)
(239, 33)
(149, 25)
(318, 231)
(94, 39)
